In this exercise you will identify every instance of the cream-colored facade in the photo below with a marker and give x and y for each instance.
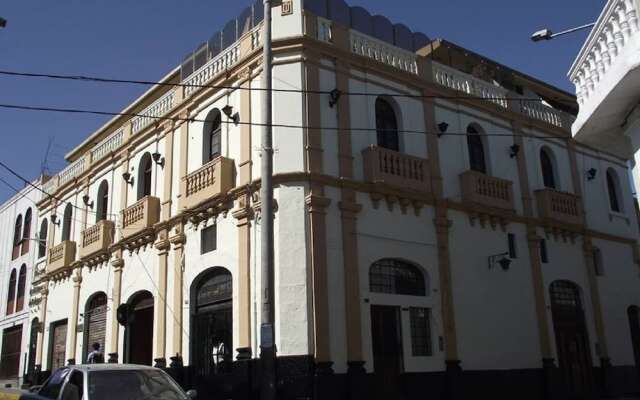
(346, 206)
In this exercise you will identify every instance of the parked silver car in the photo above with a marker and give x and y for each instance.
(109, 382)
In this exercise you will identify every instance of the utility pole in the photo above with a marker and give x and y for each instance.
(267, 331)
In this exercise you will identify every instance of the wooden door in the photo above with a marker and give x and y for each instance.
(57, 345)
(572, 339)
(95, 323)
(33, 345)
(387, 350)
(10, 361)
(140, 332)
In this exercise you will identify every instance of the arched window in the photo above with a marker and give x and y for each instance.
(548, 168)
(95, 322)
(22, 282)
(212, 136)
(613, 187)
(42, 238)
(17, 238)
(26, 232)
(144, 176)
(66, 222)
(477, 161)
(11, 292)
(387, 125)
(103, 201)
(396, 277)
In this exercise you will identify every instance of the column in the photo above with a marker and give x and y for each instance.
(160, 322)
(44, 293)
(349, 210)
(178, 246)
(118, 265)
(537, 280)
(168, 173)
(72, 332)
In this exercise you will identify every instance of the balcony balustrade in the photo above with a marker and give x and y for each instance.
(207, 182)
(61, 256)
(387, 166)
(559, 207)
(487, 191)
(140, 216)
(97, 238)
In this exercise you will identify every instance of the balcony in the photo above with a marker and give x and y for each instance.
(606, 74)
(390, 167)
(501, 97)
(97, 238)
(140, 216)
(61, 256)
(212, 179)
(486, 191)
(559, 207)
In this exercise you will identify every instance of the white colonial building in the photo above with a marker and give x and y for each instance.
(19, 246)
(437, 228)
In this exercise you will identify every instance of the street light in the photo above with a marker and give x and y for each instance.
(547, 34)
(3, 22)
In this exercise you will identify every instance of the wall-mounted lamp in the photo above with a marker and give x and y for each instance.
(334, 97)
(442, 127)
(514, 150)
(591, 174)
(158, 159)
(501, 259)
(54, 220)
(228, 111)
(86, 200)
(127, 178)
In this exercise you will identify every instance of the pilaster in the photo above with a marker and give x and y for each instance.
(160, 324)
(42, 323)
(178, 241)
(72, 333)
(118, 264)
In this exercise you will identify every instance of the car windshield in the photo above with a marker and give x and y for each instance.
(132, 385)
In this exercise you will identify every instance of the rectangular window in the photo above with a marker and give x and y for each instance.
(208, 237)
(544, 257)
(597, 262)
(513, 249)
(421, 332)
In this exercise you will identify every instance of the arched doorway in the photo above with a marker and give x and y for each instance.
(212, 322)
(95, 322)
(572, 339)
(139, 330)
(634, 325)
(388, 279)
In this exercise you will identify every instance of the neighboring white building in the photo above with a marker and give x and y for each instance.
(606, 74)
(440, 234)
(18, 249)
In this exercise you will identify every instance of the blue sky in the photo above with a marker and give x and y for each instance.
(144, 39)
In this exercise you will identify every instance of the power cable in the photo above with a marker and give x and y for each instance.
(257, 124)
(85, 78)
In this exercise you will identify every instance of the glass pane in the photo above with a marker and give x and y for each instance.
(396, 277)
(421, 332)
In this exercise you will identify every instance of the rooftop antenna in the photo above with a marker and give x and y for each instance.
(44, 166)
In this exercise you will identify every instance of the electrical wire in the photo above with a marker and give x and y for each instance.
(257, 124)
(85, 78)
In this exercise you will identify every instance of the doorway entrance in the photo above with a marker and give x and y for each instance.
(212, 322)
(57, 344)
(572, 339)
(386, 336)
(139, 330)
(10, 361)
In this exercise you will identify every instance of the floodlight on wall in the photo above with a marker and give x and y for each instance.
(501, 259)
(228, 111)
(54, 220)
(334, 97)
(591, 174)
(442, 127)
(127, 178)
(87, 201)
(514, 150)
(158, 159)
